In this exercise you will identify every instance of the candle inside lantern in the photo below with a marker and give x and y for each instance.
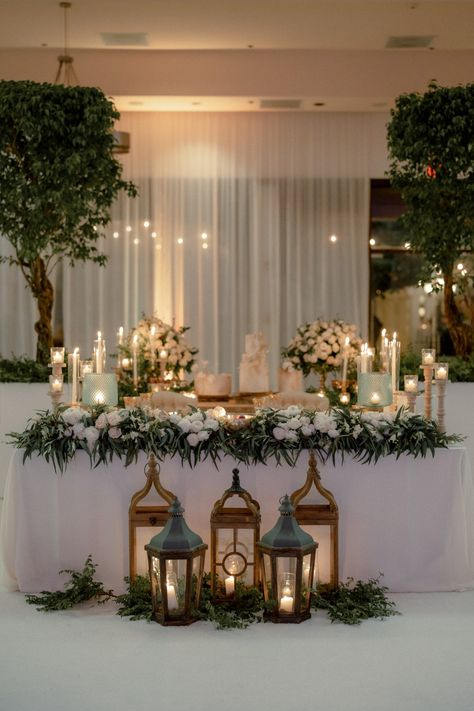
(286, 603)
(172, 600)
(120, 336)
(152, 345)
(394, 348)
(411, 385)
(375, 398)
(428, 356)
(99, 398)
(229, 585)
(344, 398)
(125, 362)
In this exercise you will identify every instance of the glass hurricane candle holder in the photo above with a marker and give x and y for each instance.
(441, 371)
(100, 389)
(57, 356)
(411, 390)
(374, 390)
(428, 356)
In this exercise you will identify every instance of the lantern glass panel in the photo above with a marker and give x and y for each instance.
(235, 554)
(176, 585)
(155, 582)
(142, 537)
(267, 576)
(322, 565)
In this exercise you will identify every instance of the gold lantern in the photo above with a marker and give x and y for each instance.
(142, 517)
(323, 515)
(235, 531)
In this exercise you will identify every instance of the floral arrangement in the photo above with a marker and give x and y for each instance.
(319, 346)
(163, 352)
(195, 435)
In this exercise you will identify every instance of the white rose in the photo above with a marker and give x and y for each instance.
(294, 423)
(279, 433)
(113, 418)
(291, 436)
(73, 415)
(78, 430)
(203, 435)
(101, 421)
(92, 435)
(193, 439)
(196, 426)
(184, 425)
(115, 432)
(307, 430)
(333, 433)
(211, 424)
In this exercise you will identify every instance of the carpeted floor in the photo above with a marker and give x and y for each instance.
(90, 659)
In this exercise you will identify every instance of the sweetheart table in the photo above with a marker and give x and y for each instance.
(411, 519)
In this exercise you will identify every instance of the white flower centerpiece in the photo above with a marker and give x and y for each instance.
(320, 347)
(162, 352)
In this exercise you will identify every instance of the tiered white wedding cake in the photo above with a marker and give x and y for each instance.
(254, 374)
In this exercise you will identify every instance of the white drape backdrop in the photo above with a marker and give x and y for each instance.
(268, 190)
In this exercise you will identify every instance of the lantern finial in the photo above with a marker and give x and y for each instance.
(176, 509)
(235, 481)
(286, 508)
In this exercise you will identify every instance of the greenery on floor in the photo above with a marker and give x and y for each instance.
(351, 603)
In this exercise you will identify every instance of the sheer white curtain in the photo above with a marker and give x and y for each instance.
(268, 190)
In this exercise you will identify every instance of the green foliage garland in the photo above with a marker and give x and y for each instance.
(79, 588)
(272, 435)
(350, 603)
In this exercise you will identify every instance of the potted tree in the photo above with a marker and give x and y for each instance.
(58, 180)
(431, 148)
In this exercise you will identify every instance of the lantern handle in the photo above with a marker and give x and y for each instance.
(152, 472)
(237, 490)
(313, 477)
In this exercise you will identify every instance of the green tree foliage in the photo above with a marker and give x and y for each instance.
(431, 147)
(58, 179)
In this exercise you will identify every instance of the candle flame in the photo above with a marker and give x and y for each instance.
(347, 341)
(135, 338)
(394, 335)
(121, 330)
(76, 351)
(384, 331)
(99, 335)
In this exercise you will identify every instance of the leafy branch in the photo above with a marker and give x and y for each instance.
(352, 602)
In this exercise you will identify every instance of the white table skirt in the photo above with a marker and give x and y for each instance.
(412, 519)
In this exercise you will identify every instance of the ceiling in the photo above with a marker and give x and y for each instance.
(387, 27)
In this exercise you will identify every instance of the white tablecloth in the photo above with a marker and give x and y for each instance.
(412, 519)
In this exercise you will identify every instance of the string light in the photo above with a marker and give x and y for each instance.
(136, 241)
(407, 245)
(204, 235)
(372, 242)
(180, 240)
(333, 238)
(460, 266)
(205, 245)
(153, 234)
(128, 228)
(116, 235)
(146, 223)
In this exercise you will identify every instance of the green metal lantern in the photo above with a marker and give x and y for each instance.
(176, 564)
(287, 555)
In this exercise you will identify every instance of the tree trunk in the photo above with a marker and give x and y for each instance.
(460, 332)
(44, 294)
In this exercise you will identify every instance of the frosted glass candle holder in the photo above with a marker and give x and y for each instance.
(100, 389)
(428, 356)
(441, 371)
(374, 390)
(411, 383)
(57, 356)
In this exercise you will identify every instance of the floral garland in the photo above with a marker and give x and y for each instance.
(319, 346)
(163, 352)
(194, 436)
